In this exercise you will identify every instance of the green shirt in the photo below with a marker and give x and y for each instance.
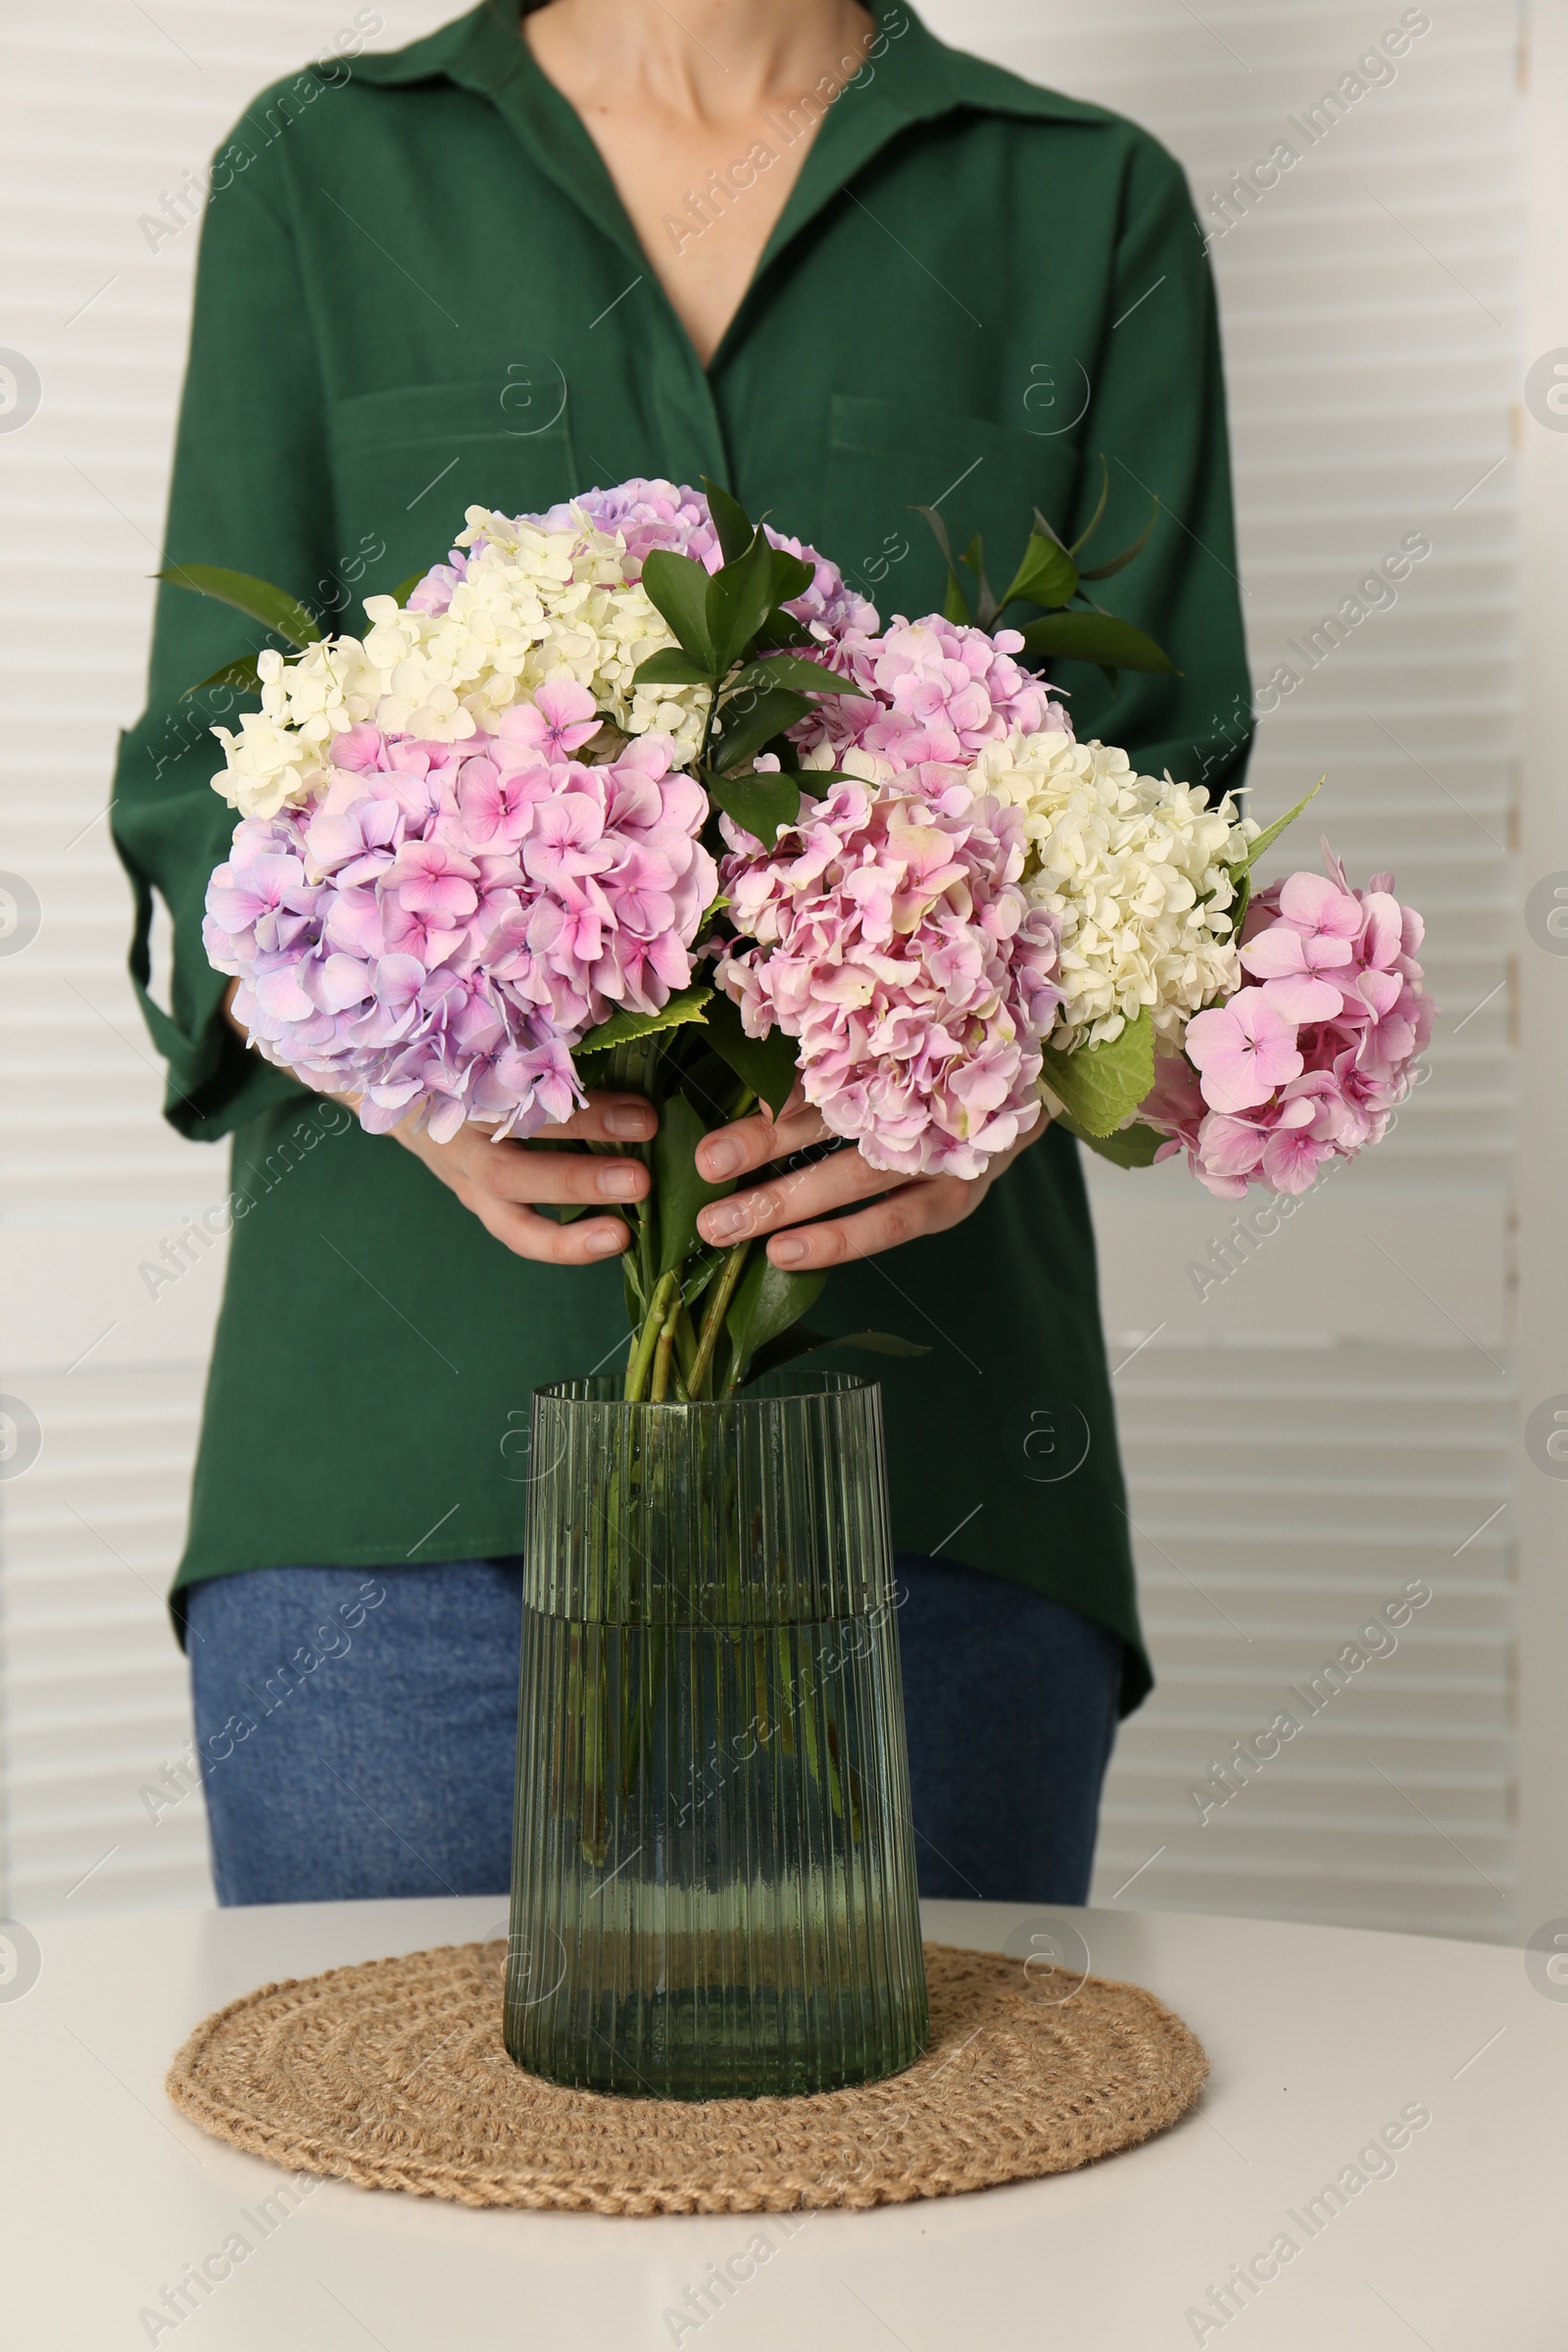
(418, 291)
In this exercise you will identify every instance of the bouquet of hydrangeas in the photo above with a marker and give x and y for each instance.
(634, 793)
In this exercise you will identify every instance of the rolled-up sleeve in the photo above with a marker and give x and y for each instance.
(251, 491)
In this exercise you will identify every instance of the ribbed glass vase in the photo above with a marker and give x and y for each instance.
(713, 1884)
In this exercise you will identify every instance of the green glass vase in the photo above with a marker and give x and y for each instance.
(713, 1885)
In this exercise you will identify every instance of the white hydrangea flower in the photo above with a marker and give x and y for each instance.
(1135, 867)
(534, 605)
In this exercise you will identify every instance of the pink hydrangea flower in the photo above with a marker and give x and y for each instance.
(1309, 1059)
(935, 689)
(560, 721)
(892, 940)
(438, 932)
(1243, 1051)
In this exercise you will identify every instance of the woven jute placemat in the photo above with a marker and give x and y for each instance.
(394, 2074)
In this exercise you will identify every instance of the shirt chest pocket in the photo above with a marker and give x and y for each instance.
(409, 462)
(888, 457)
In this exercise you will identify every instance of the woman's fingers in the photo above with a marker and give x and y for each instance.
(528, 1235)
(928, 1204)
(922, 1205)
(785, 1199)
(751, 1143)
(521, 1173)
(607, 1119)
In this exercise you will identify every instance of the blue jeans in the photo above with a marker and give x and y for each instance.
(356, 1730)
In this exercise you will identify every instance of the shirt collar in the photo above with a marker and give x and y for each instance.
(909, 77)
(478, 52)
(912, 76)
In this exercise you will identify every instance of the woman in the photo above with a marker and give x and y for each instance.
(810, 252)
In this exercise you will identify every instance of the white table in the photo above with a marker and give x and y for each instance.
(1319, 2038)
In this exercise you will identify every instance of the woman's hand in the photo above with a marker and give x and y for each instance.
(901, 1208)
(504, 1184)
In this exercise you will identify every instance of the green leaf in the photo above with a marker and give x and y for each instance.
(766, 1302)
(800, 1340)
(1125, 1147)
(670, 667)
(710, 1085)
(733, 524)
(755, 723)
(879, 1343)
(630, 1067)
(1096, 518)
(987, 607)
(1104, 572)
(781, 632)
(807, 677)
(955, 600)
(621, 1028)
(1048, 574)
(677, 587)
(240, 674)
(259, 600)
(700, 1273)
(791, 576)
(1096, 637)
(1240, 873)
(678, 1190)
(766, 1064)
(1099, 1085)
(1271, 833)
(740, 599)
(763, 804)
(404, 588)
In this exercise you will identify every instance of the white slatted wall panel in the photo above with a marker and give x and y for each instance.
(1332, 1420)
(1319, 1430)
(104, 106)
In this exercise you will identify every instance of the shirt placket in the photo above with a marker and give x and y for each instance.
(676, 394)
(684, 400)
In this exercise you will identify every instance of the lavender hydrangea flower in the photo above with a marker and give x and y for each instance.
(437, 932)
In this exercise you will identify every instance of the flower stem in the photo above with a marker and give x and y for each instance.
(718, 1305)
(664, 1354)
(685, 1345)
(642, 1355)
